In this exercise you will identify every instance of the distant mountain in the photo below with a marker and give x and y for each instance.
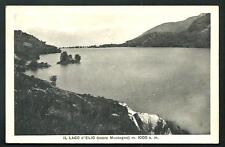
(29, 47)
(191, 32)
(174, 27)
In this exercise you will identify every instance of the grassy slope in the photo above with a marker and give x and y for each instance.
(41, 108)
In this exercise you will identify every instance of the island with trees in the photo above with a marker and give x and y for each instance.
(68, 59)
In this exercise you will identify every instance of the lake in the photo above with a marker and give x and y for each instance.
(171, 82)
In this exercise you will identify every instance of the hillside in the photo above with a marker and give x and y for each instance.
(28, 47)
(174, 27)
(192, 32)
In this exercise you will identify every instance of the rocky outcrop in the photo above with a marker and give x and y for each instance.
(68, 59)
(150, 124)
(22, 65)
(34, 65)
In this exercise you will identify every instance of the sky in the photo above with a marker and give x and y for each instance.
(88, 25)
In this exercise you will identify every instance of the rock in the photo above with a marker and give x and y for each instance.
(68, 59)
(64, 58)
(115, 115)
(148, 123)
(34, 65)
(152, 124)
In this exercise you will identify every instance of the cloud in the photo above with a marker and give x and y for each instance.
(86, 25)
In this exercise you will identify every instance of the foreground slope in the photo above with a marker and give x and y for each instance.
(41, 108)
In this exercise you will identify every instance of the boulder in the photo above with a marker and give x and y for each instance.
(146, 123)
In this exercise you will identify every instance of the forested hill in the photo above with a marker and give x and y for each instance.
(28, 47)
(191, 32)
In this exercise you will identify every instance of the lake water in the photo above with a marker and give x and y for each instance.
(171, 82)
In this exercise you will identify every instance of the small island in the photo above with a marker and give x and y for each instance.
(68, 59)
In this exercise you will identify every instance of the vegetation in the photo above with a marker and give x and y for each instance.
(53, 80)
(196, 35)
(77, 58)
(28, 47)
(175, 129)
(21, 64)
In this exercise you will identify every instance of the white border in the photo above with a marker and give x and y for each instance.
(213, 137)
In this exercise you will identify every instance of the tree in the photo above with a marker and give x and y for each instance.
(63, 56)
(77, 58)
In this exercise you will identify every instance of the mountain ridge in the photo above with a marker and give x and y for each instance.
(191, 32)
(170, 26)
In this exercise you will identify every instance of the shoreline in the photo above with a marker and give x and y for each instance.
(67, 48)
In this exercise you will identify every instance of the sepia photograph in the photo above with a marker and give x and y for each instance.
(138, 74)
